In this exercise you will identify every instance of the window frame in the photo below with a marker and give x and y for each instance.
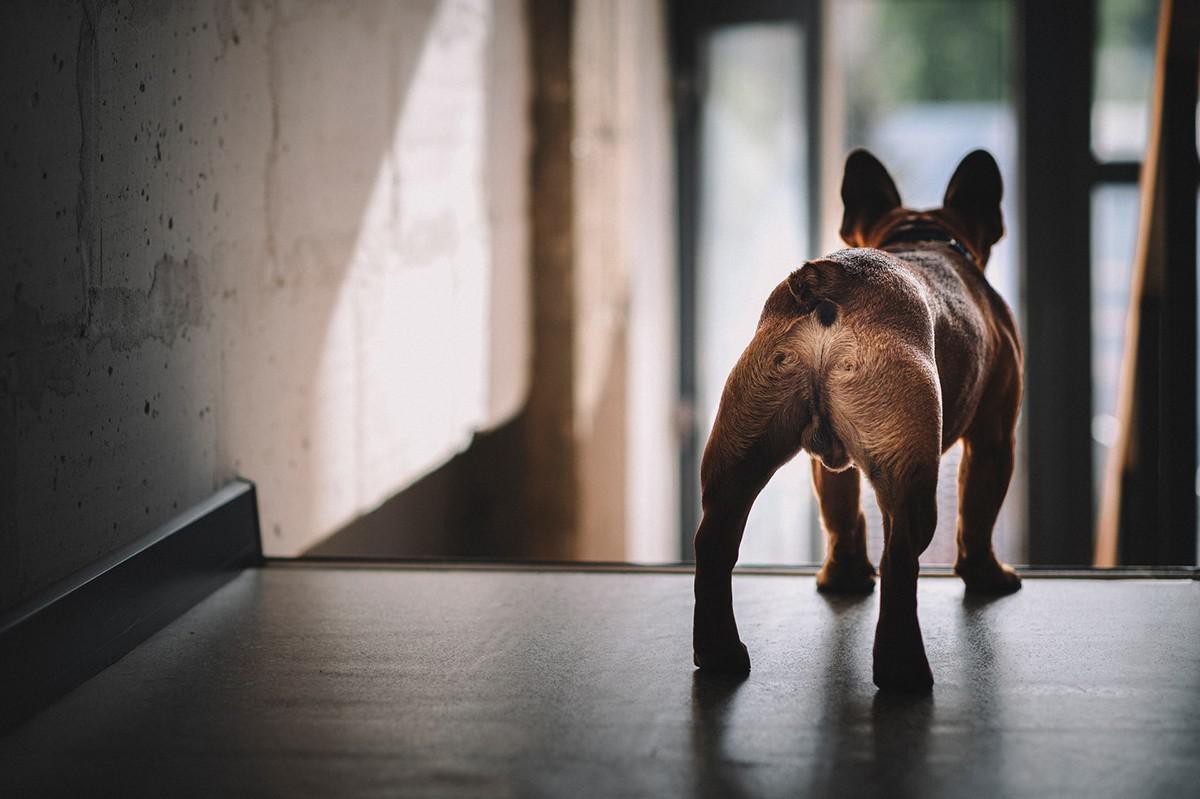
(690, 23)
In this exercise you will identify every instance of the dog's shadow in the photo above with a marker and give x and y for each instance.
(879, 736)
(885, 738)
(841, 603)
(975, 601)
(981, 647)
(712, 700)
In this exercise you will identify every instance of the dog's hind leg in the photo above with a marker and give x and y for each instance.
(847, 569)
(902, 452)
(716, 645)
(909, 507)
(983, 477)
(742, 454)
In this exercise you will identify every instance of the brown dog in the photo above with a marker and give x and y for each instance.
(877, 358)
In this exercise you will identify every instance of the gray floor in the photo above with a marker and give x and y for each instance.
(355, 682)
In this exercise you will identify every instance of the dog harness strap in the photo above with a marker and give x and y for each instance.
(915, 234)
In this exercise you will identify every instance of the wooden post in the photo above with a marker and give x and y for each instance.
(550, 490)
(1148, 512)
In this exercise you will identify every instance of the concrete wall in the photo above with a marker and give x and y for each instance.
(588, 469)
(281, 240)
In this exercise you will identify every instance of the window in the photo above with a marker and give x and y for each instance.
(753, 223)
(918, 83)
(921, 84)
(1058, 92)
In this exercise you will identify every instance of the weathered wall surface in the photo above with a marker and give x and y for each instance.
(249, 238)
(588, 470)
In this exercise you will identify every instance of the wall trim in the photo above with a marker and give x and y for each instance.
(64, 635)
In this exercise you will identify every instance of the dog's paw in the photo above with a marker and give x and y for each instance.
(846, 577)
(732, 659)
(988, 576)
(902, 672)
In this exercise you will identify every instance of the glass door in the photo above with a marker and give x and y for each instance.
(753, 212)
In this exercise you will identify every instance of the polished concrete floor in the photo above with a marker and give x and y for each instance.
(376, 682)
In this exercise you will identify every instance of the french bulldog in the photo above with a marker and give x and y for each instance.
(874, 360)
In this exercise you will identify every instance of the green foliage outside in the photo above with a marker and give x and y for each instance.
(931, 51)
(1125, 33)
(942, 50)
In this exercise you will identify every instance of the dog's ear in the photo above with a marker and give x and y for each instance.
(974, 195)
(817, 286)
(868, 193)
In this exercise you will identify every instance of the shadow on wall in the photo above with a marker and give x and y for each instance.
(220, 264)
(337, 85)
(441, 350)
(402, 376)
(470, 507)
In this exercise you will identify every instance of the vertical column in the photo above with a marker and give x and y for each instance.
(550, 490)
(1056, 44)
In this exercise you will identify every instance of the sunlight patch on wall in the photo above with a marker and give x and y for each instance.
(402, 381)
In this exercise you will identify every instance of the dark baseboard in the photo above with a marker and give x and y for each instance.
(78, 627)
